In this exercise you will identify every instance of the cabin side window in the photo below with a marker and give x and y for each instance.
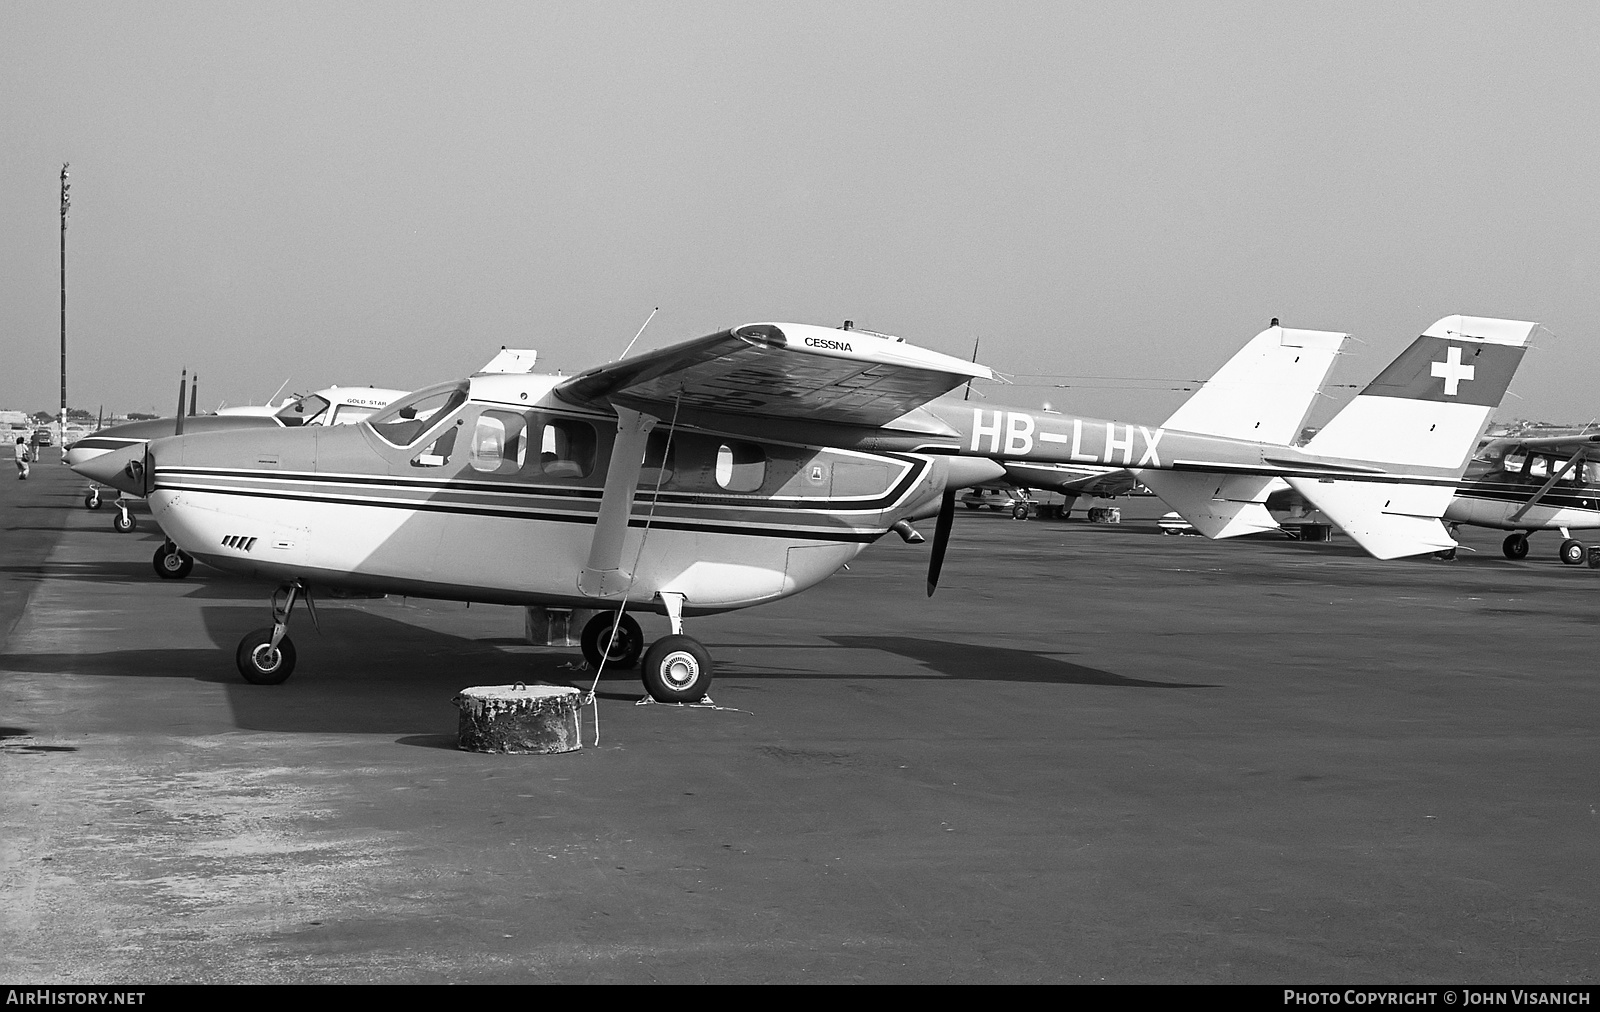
(741, 467)
(499, 443)
(660, 460)
(566, 448)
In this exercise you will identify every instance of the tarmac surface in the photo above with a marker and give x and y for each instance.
(1098, 755)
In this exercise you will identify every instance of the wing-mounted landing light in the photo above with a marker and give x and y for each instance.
(941, 538)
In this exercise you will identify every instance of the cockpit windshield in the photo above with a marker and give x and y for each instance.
(304, 411)
(404, 421)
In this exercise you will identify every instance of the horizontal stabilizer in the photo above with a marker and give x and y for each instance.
(1265, 392)
(1390, 521)
(1217, 505)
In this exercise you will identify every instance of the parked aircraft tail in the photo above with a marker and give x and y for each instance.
(1420, 420)
(1264, 394)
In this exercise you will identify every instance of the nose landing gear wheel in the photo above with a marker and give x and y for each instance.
(677, 669)
(1515, 546)
(123, 522)
(1573, 553)
(260, 662)
(625, 650)
(92, 501)
(171, 563)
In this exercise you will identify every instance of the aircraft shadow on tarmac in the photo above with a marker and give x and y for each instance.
(951, 659)
(370, 674)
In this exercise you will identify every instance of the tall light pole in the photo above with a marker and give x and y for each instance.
(66, 204)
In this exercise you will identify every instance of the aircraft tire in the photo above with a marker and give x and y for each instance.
(171, 563)
(91, 501)
(1019, 512)
(624, 652)
(677, 669)
(123, 522)
(1515, 546)
(970, 505)
(259, 664)
(1573, 553)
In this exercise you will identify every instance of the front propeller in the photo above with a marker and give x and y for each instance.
(941, 538)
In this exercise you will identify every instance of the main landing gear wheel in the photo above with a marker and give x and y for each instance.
(92, 501)
(260, 662)
(1573, 553)
(1515, 546)
(625, 649)
(677, 669)
(123, 522)
(172, 563)
(1019, 512)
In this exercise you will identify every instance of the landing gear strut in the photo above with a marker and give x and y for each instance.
(266, 656)
(677, 668)
(123, 522)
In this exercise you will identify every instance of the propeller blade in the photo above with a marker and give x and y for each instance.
(941, 538)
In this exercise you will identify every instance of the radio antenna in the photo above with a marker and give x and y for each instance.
(647, 320)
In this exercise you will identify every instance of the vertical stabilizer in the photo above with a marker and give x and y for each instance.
(1428, 408)
(1425, 413)
(1265, 392)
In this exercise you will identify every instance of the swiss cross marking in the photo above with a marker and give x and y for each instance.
(1452, 371)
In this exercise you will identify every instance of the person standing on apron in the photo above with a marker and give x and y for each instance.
(22, 459)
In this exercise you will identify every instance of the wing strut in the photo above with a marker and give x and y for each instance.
(603, 575)
(1560, 473)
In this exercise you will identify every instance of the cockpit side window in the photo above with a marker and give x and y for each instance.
(304, 411)
(404, 422)
(440, 450)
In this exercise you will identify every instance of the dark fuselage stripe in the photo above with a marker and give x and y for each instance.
(912, 475)
(805, 534)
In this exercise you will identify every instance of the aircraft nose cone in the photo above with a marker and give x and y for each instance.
(121, 469)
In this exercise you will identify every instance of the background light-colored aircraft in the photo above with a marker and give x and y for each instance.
(1535, 483)
(742, 468)
(333, 406)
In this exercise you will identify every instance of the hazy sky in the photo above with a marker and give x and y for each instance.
(386, 193)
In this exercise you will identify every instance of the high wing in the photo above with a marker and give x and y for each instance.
(776, 370)
(760, 373)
